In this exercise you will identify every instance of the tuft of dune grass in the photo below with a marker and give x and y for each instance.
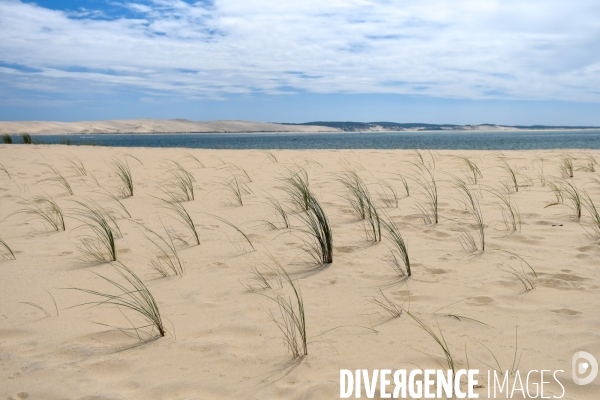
(46, 209)
(131, 294)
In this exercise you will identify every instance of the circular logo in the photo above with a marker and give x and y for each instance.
(584, 363)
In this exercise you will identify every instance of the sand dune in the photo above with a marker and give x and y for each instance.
(221, 341)
(150, 126)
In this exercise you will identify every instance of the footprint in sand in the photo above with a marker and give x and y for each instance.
(436, 271)
(19, 396)
(565, 281)
(566, 311)
(569, 277)
(586, 249)
(344, 249)
(219, 264)
(441, 234)
(481, 300)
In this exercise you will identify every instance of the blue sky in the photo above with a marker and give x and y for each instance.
(436, 61)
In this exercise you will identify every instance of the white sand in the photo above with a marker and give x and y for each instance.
(150, 126)
(226, 345)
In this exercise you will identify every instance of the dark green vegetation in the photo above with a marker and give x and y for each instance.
(349, 126)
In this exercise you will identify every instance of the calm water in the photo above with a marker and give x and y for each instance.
(368, 140)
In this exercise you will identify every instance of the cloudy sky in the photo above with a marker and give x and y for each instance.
(455, 61)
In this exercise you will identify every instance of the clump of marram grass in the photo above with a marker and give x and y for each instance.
(280, 211)
(123, 172)
(527, 282)
(512, 185)
(183, 181)
(77, 166)
(236, 190)
(6, 252)
(259, 281)
(516, 361)
(100, 245)
(356, 193)
(243, 172)
(352, 165)
(473, 168)
(471, 203)
(566, 166)
(405, 184)
(45, 208)
(167, 262)
(428, 211)
(180, 213)
(521, 259)
(388, 305)
(388, 195)
(131, 295)
(439, 339)
(3, 168)
(218, 159)
(238, 172)
(590, 163)
(319, 246)
(511, 216)
(372, 224)
(42, 309)
(7, 139)
(593, 211)
(571, 193)
(93, 178)
(234, 226)
(541, 175)
(116, 199)
(194, 159)
(399, 246)
(296, 187)
(361, 203)
(26, 137)
(525, 180)
(270, 156)
(557, 190)
(420, 160)
(292, 323)
(58, 179)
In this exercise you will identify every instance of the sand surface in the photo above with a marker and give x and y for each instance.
(150, 126)
(221, 341)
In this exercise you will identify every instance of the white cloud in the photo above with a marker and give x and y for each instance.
(509, 49)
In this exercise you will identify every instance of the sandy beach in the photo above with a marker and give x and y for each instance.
(528, 301)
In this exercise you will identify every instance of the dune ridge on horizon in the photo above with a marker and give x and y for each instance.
(150, 125)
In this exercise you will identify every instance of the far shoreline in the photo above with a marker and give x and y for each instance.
(314, 133)
(151, 126)
(500, 140)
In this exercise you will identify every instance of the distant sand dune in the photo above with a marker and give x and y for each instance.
(151, 126)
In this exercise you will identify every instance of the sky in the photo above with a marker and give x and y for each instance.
(437, 61)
